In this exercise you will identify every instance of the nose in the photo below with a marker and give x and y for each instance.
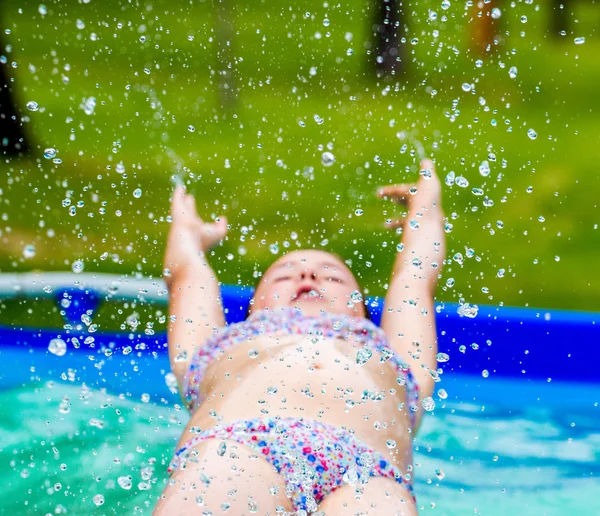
(312, 274)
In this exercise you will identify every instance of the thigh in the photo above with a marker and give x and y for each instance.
(238, 482)
(380, 496)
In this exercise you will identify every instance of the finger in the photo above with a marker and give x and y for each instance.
(394, 190)
(177, 203)
(427, 163)
(397, 193)
(190, 203)
(427, 170)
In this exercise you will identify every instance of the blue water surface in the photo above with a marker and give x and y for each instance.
(494, 447)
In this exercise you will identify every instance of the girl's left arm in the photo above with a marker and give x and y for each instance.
(408, 317)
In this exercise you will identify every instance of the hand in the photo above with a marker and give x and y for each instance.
(423, 197)
(189, 236)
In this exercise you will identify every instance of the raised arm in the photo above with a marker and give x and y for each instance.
(195, 307)
(408, 317)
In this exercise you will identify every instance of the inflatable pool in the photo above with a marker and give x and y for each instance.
(89, 421)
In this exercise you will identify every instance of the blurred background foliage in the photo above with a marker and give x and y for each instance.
(241, 99)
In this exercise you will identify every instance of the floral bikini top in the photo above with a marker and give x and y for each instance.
(291, 321)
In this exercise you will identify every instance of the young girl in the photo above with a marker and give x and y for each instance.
(306, 407)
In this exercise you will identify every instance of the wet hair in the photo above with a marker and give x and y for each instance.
(367, 312)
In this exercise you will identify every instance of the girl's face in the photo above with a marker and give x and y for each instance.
(312, 280)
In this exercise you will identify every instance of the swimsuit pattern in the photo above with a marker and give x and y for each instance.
(315, 458)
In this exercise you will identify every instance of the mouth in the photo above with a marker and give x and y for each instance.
(306, 294)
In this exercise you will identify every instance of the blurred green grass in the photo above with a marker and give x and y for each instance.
(259, 166)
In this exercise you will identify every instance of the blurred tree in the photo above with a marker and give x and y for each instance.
(485, 28)
(559, 21)
(12, 135)
(224, 36)
(390, 52)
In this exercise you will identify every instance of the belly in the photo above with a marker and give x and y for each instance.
(295, 376)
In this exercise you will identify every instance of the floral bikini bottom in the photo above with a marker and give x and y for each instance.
(314, 458)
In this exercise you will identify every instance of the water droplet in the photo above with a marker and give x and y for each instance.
(523, 19)
(442, 394)
(532, 134)
(461, 181)
(32, 105)
(89, 105)
(327, 159)
(351, 476)
(512, 73)
(29, 251)
(222, 448)
(428, 404)
(446, 5)
(485, 373)
(484, 169)
(414, 41)
(98, 500)
(440, 474)
(450, 178)
(77, 266)
(580, 40)
(271, 390)
(252, 506)
(349, 52)
(495, 458)
(356, 296)
(358, 212)
(137, 193)
(253, 353)
(119, 167)
(125, 482)
(496, 13)
(42, 10)
(478, 63)
(191, 128)
(274, 248)
(466, 87)
(467, 310)
(557, 258)
(49, 153)
(442, 357)
(363, 355)
(57, 347)
(391, 444)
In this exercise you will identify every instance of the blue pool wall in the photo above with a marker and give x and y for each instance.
(517, 344)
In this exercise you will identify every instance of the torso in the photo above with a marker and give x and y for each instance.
(319, 379)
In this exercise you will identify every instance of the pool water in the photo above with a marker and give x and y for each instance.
(492, 448)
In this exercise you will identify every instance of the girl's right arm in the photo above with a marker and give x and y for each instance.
(195, 306)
